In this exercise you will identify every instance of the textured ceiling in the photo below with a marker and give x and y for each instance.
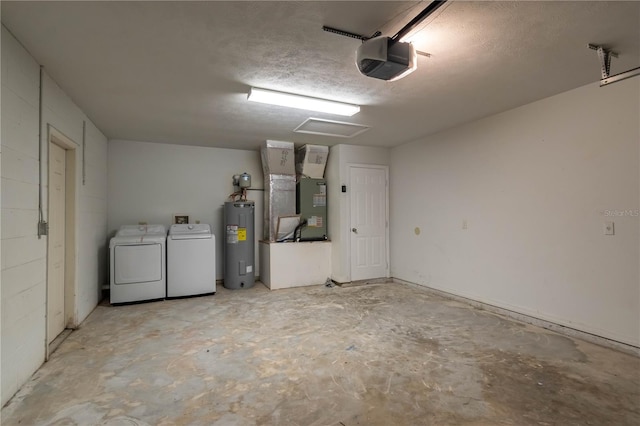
(179, 72)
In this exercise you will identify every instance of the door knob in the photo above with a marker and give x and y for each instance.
(354, 230)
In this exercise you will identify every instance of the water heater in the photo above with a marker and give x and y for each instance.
(239, 254)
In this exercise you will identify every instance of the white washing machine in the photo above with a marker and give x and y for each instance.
(191, 260)
(138, 263)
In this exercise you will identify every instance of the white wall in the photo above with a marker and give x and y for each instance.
(23, 260)
(337, 174)
(149, 182)
(533, 185)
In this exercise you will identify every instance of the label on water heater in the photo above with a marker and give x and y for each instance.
(242, 234)
(232, 234)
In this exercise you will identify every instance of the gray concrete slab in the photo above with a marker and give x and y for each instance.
(378, 354)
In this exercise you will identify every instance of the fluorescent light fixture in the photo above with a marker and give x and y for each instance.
(302, 102)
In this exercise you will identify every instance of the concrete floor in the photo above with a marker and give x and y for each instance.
(380, 354)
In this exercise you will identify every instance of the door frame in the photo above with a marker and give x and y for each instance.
(54, 136)
(386, 212)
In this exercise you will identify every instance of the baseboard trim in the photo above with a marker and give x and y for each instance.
(558, 328)
(360, 283)
(55, 344)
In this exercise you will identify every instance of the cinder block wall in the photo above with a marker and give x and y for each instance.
(23, 255)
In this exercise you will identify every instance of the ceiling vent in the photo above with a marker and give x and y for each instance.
(338, 129)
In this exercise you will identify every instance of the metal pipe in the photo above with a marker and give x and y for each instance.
(42, 225)
(84, 148)
(40, 214)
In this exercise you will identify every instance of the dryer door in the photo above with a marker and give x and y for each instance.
(137, 263)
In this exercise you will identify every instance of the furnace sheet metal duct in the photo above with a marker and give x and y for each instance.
(278, 166)
(278, 158)
(311, 161)
(279, 200)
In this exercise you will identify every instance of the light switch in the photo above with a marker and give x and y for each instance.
(609, 228)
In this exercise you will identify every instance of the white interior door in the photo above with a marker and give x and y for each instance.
(56, 242)
(368, 230)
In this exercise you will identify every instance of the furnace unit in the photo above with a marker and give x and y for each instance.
(311, 205)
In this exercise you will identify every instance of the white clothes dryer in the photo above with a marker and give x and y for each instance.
(138, 263)
(191, 260)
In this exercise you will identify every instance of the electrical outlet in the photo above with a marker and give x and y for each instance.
(465, 225)
(609, 228)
